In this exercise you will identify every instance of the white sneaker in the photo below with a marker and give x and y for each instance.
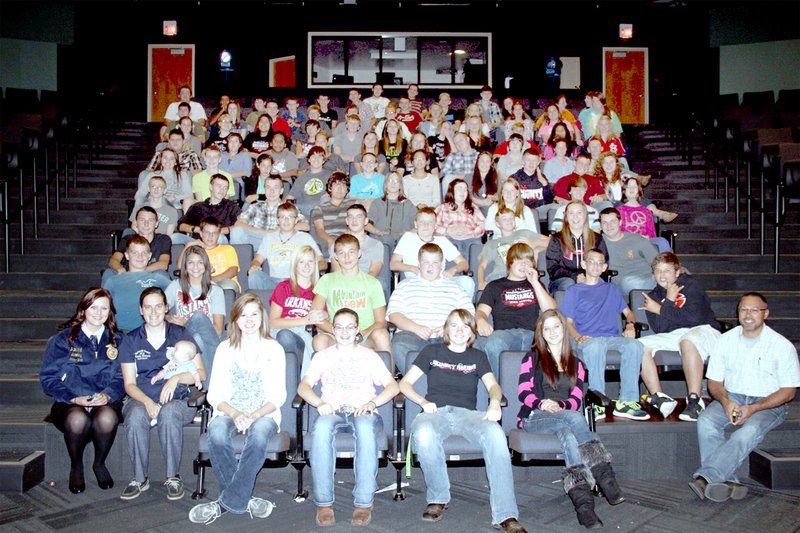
(663, 403)
(259, 507)
(205, 513)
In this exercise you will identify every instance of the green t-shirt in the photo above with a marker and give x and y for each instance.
(201, 183)
(361, 293)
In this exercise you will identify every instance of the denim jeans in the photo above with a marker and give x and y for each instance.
(242, 235)
(560, 284)
(429, 430)
(628, 283)
(237, 478)
(365, 465)
(569, 426)
(662, 244)
(720, 457)
(404, 342)
(462, 245)
(261, 280)
(501, 340)
(593, 354)
(296, 340)
(205, 336)
(171, 418)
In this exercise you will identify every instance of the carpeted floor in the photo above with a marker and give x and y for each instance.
(650, 507)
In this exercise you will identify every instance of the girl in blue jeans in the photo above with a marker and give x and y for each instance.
(197, 303)
(246, 391)
(551, 393)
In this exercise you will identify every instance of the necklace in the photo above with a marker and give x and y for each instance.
(287, 239)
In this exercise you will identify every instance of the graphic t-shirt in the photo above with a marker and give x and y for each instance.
(361, 293)
(347, 376)
(135, 348)
(213, 304)
(453, 378)
(513, 304)
(292, 306)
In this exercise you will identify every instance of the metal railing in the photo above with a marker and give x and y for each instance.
(55, 149)
(727, 152)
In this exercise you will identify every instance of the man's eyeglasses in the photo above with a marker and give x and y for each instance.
(751, 310)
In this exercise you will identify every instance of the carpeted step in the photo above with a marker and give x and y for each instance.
(70, 281)
(22, 389)
(21, 357)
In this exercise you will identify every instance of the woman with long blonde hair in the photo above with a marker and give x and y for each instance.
(290, 306)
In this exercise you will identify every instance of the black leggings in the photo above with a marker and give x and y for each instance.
(80, 426)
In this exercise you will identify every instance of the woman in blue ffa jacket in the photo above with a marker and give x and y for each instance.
(81, 372)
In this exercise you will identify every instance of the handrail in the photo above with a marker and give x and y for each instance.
(747, 149)
(14, 160)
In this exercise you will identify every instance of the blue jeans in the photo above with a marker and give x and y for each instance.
(593, 354)
(721, 457)
(296, 340)
(501, 340)
(560, 284)
(462, 245)
(662, 244)
(569, 426)
(628, 283)
(404, 342)
(242, 235)
(237, 478)
(205, 336)
(261, 280)
(365, 465)
(429, 431)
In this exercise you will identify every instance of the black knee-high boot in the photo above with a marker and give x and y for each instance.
(598, 460)
(578, 483)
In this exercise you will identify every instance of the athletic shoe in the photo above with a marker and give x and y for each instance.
(630, 410)
(259, 508)
(599, 412)
(134, 489)
(694, 406)
(205, 513)
(663, 403)
(174, 488)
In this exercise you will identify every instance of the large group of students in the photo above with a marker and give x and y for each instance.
(333, 209)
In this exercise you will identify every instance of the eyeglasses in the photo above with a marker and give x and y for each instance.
(349, 329)
(751, 310)
(596, 262)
